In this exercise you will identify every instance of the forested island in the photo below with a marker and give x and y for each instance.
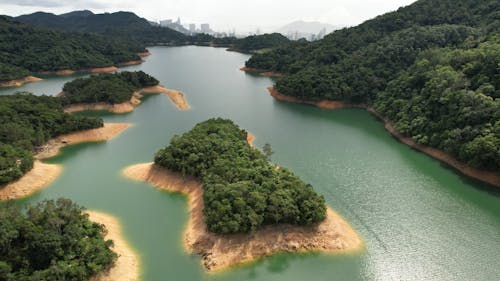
(27, 50)
(116, 92)
(110, 88)
(53, 240)
(59, 240)
(430, 68)
(242, 198)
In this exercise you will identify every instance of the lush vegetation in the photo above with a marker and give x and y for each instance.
(106, 87)
(25, 49)
(53, 240)
(449, 99)
(29, 121)
(242, 190)
(431, 67)
(255, 43)
(125, 26)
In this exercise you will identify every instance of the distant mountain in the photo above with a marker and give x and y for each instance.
(306, 27)
(123, 25)
(83, 13)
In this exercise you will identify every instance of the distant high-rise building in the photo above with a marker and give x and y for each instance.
(165, 23)
(192, 28)
(205, 28)
(178, 21)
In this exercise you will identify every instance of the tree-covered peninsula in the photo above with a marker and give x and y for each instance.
(53, 240)
(112, 88)
(29, 121)
(26, 49)
(242, 190)
(431, 68)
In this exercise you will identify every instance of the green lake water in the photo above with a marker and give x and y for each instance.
(419, 219)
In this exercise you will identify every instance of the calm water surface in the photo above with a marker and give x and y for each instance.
(420, 220)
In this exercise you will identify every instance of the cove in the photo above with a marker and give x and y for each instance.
(419, 219)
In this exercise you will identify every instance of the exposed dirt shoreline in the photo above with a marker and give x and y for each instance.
(37, 178)
(177, 97)
(127, 265)
(144, 54)
(488, 177)
(262, 72)
(222, 251)
(250, 138)
(65, 72)
(20, 82)
(44, 174)
(132, 62)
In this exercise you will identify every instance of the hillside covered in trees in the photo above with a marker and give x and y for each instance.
(255, 43)
(110, 88)
(25, 49)
(242, 190)
(53, 240)
(29, 121)
(431, 67)
(126, 26)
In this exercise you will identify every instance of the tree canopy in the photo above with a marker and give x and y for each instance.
(106, 87)
(53, 240)
(29, 121)
(242, 190)
(25, 49)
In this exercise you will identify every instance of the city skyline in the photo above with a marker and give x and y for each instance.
(222, 15)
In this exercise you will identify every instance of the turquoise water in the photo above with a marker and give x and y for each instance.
(419, 219)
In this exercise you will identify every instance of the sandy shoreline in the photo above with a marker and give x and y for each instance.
(44, 174)
(250, 138)
(107, 132)
(37, 178)
(127, 265)
(144, 54)
(175, 96)
(20, 82)
(222, 251)
(132, 62)
(484, 176)
(262, 72)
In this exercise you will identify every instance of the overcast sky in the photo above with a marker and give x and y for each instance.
(223, 15)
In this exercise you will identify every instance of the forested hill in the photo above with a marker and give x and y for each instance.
(123, 25)
(25, 49)
(242, 190)
(431, 67)
(257, 43)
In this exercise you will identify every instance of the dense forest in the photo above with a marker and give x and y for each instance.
(29, 121)
(255, 43)
(53, 240)
(106, 87)
(25, 49)
(431, 67)
(242, 189)
(126, 26)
